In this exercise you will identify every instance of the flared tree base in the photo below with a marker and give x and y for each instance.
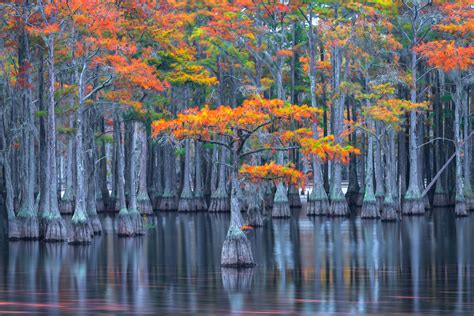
(294, 200)
(125, 227)
(380, 199)
(352, 198)
(155, 202)
(80, 233)
(236, 251)
(137, 224)
(66, 207)
(370, 210)
(268, 201)
(219, 204)
(111, 203)
(186, 205)
(426, 202)
(317, 207)
(339, 208)
(460, 208)
(440, 200)
(469, 202)
(281, 210)
(200, 204)
(168, 204)
(100, 205)
(28, 227)
(413, 206)
(95, 223)
(360, 199)
(144, 206)
(54, 229)
(254, 217)
(389, 212)
(13, 230)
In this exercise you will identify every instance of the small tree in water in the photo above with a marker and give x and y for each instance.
(257, 126)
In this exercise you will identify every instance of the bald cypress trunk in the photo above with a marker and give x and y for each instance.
(125, 228)
(440, 198)
(339, 206)
(281, 205)
(413, 203)
(390, 203)
(91, 175)
(460, 202)
(370, 208)
(53, 227)
(168, 200)
(199, 198)
(236, 251)
(143, 199)
(219, 197)
(468, 192)
(81, 230)
(158, 153)
(135, 217)
(66, 204)
(186, 200)
(27, 216)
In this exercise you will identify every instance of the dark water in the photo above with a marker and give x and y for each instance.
(305, 266)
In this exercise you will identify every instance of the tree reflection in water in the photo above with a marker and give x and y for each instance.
(304, 265)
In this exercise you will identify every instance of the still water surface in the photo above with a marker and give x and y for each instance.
(423, 265)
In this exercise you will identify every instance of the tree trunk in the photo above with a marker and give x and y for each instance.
(389, 211)
(158, 153)
(460, 202)
(27, 216)
(143, 199)
(413, 203)
(168, 200)
(53, 226)
(186, 200)
(370, 208)
(236, 251)
(91, 173)
(281, 205)
(339, 206)
(199, 198)
(66, 204)
(220, 198)
(135, 217)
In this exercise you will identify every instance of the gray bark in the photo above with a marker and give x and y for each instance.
(143, 199)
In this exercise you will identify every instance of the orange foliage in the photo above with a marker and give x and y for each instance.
(272, 171)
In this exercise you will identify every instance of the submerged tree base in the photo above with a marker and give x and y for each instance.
(254, 217)
(144, 205)
(186, 205)
(236, 251)
(200, 204)
(110, 207)
(469, 202)
(168, 204)
(352, 198)
(339, 208)
(100, 205)
(294, 200)
(13, 230)
(281, 209)
(460, 208)
(370, 210)
(317, 207)
(54, 229)
(80, 233)
(66, 207)
(137, 223)
(360, 198)
(440, 200)
(426, 202)
(413, 206)
(219, 204)
(28, 227)
(125, 228)
(389, 212)
(95, 224)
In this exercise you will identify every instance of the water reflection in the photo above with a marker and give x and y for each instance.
(305, 265)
